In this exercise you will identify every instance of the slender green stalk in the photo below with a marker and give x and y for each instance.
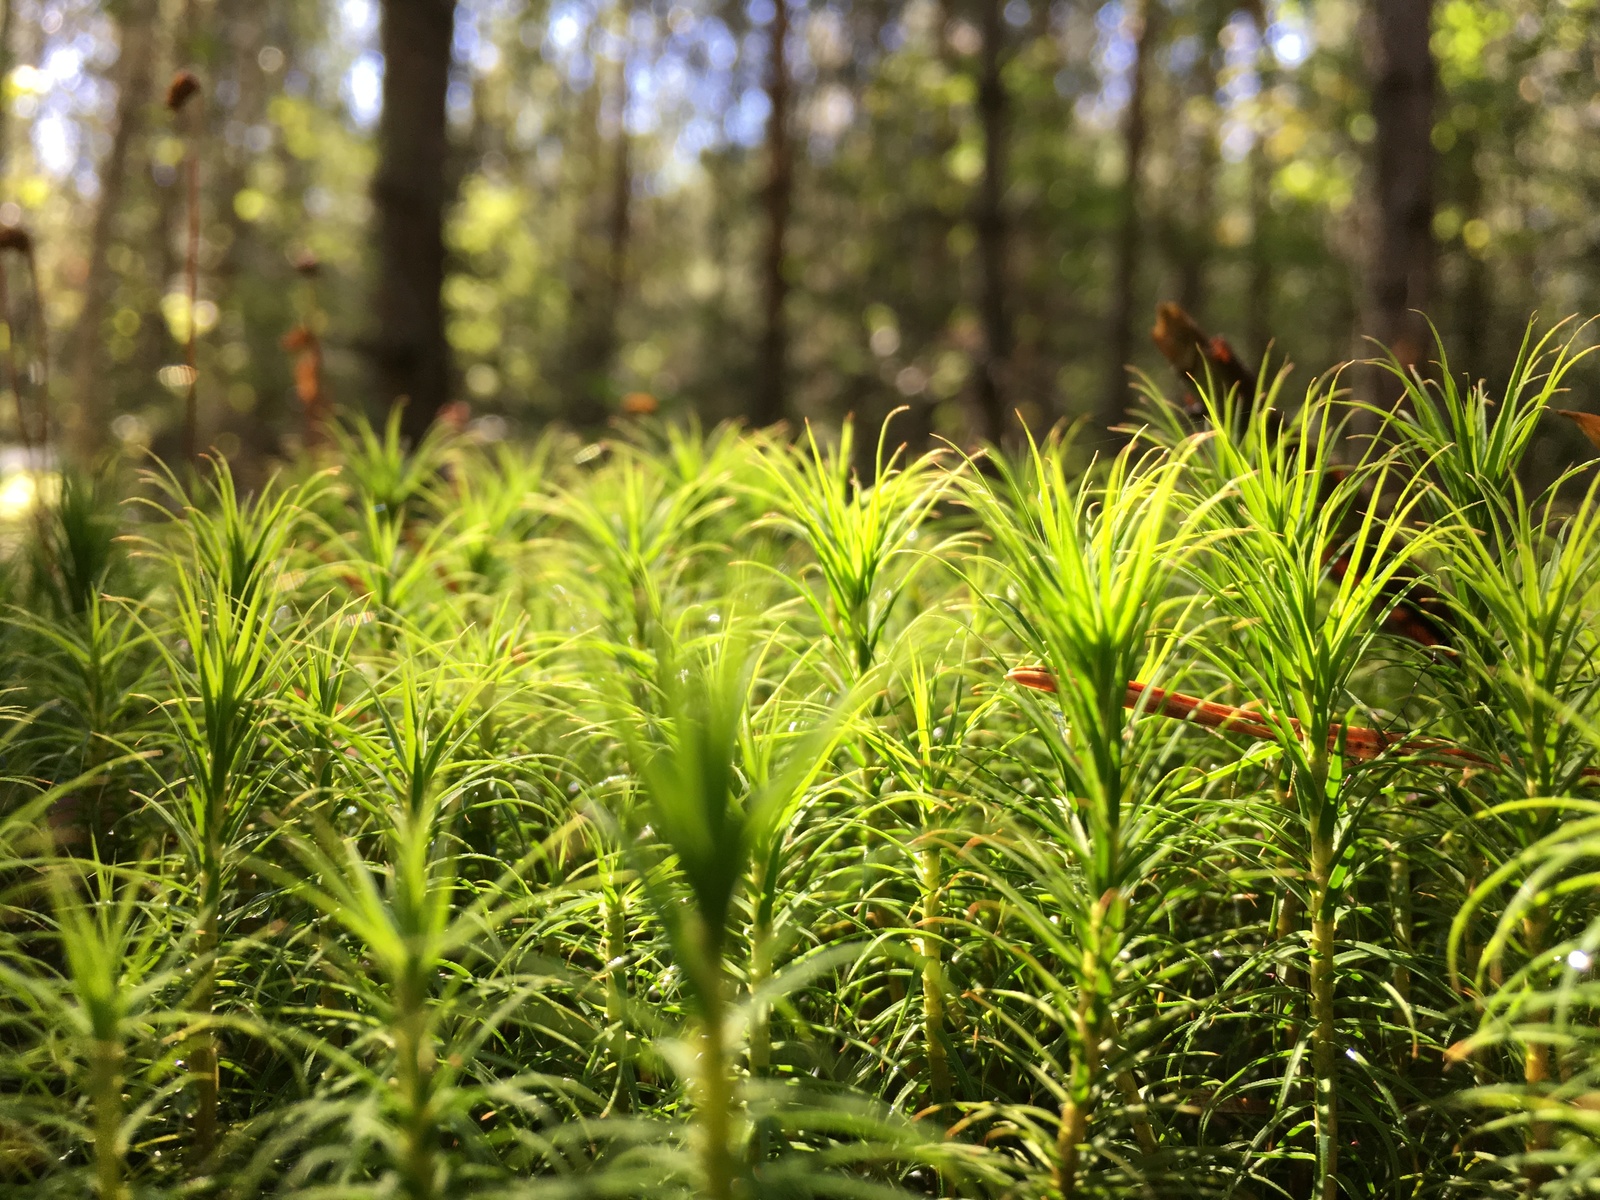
(761, 950)
(1536, 1066)
(714, 1099)
(105, 1094)
(930, 879)
(1091, 1027)
(626, 1097)
(1324, 1030)
(1403, 905)
(414, 1086)
(203, 1047)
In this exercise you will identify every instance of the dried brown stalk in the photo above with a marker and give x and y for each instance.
(1356, 742)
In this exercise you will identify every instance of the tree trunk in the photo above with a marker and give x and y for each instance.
(1258, 300)
(8, 22)
(409, 350)
(990, 219)
(1400, 272)
(1197, 205)
(1475, 301)
(583, 157)
(770, 403)
(86, 421)
(595, 338)
(1125, 278)
(621, 227)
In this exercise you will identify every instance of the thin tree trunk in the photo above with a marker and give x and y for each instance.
(191, 173)
(86, 427)
(621, 228)
(596, 337)
(1400, 271)
(411, 356)
(990, 219)
(7, 61)
(585, 151)
(1259, 296)
(1474, 303)
(1197, 205)
(771, 401)
(936, 290)
(1125, 278)
(1263, 281)
(243, 28)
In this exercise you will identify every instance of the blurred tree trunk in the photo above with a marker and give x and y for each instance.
(86, 420)
(606, 264)
(155, 339)
(409, 350)
(1400, 270)
(1259, 297)
(936, 294)
(1473, 326)
(716, 375)
(771, 402)
(7, 61)
(990, 220)
(619, 235)
(247, 257)
(583, 165)
(1197, 205)
(1126, 270)
(1474, 302)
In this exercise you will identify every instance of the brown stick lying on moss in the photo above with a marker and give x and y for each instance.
(1355, 741)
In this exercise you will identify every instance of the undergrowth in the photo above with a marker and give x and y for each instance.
(657, 817)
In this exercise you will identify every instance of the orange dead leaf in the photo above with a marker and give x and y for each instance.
(185, 86)
(1589, 423)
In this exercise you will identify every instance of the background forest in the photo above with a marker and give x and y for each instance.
(967, 206)
(551, 788)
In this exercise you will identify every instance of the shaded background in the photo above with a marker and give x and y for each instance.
(766, 209)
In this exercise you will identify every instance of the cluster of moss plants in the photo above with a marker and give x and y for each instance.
(656, 817)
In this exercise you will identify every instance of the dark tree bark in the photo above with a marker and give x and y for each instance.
(934, 293)
(1475, 299)
(1263, 281)
(990, 219)
(410, 354)
(771, 401)
(86, 421)
(605, 264)
(7, 25)
(619, 233)
(1126, 271)
(1400, 270)
(1196, 214)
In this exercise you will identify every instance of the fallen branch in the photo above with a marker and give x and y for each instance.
(1354, 741)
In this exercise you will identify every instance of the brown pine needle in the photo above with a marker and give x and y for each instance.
(1356, 742)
